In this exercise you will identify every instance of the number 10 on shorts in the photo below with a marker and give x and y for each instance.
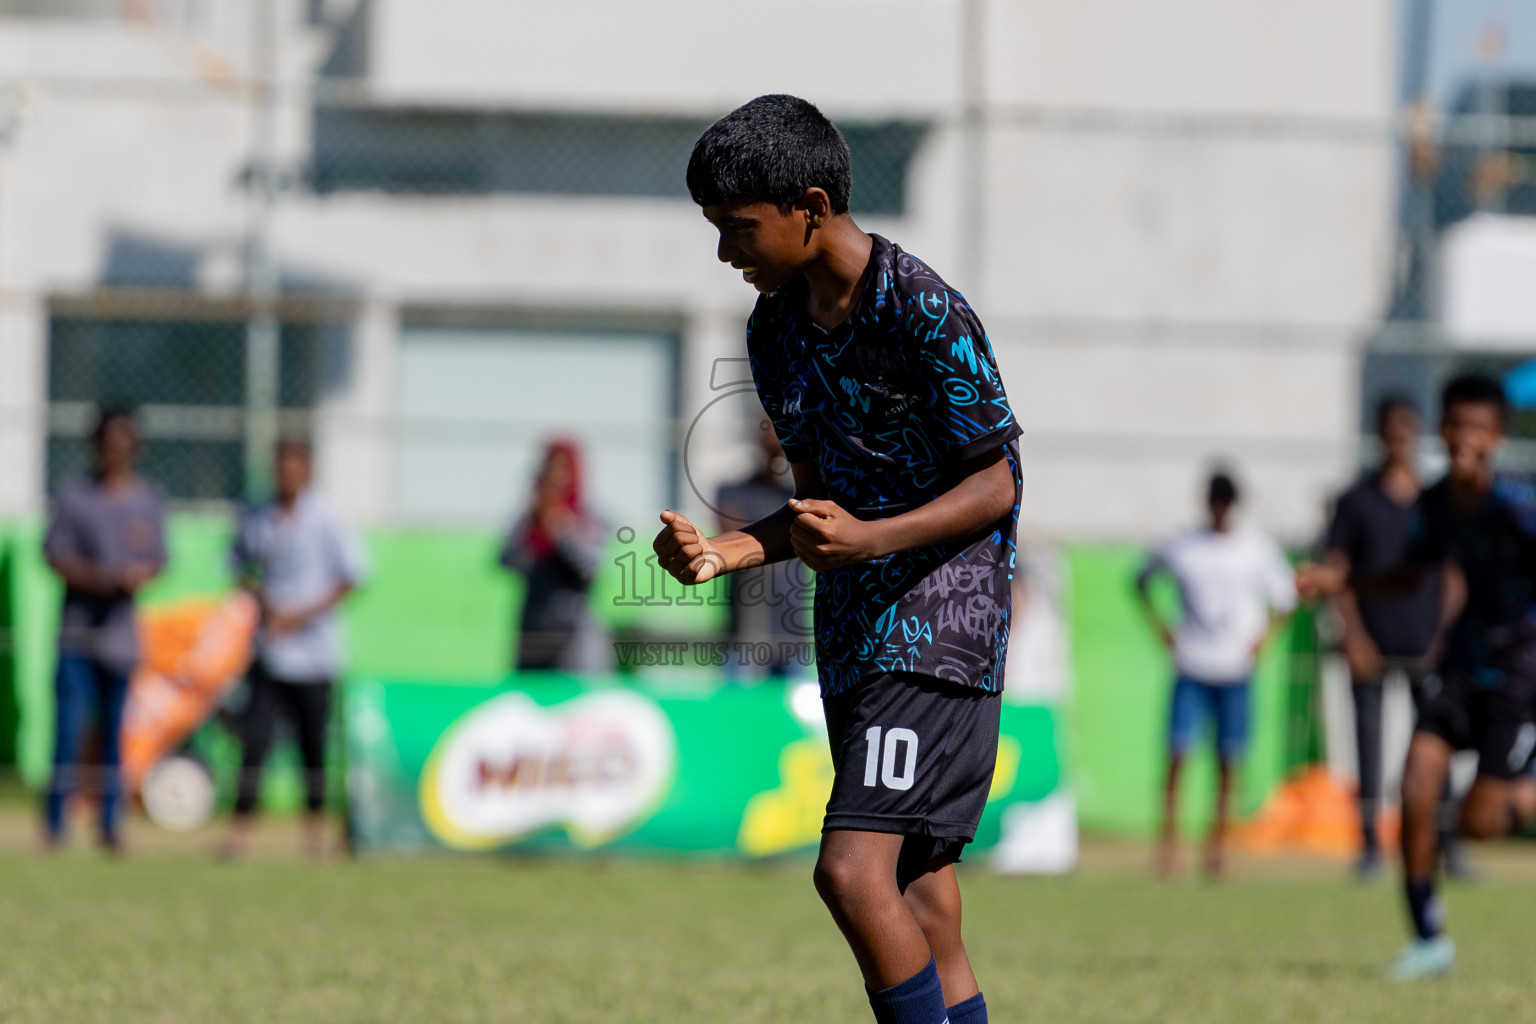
(898, 743)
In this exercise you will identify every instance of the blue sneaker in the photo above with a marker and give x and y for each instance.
(1424, 958)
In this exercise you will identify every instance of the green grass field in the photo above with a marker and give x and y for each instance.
(170, 936)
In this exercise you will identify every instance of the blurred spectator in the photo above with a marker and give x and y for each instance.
(556, 546)
(295, 556)
(1235, 587)
(106, 540)
(765, 606)
(1370, 530)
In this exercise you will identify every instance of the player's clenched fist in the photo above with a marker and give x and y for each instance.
(826, 536)
(683, 550)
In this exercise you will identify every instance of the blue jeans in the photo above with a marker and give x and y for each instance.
(1195, 702)
(79, 685)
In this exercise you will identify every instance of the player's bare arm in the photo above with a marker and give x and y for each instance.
(1149, 610)
(826, 536)
(1360, 650)
(693, 557)
(1314, 580)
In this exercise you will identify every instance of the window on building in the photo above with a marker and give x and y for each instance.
(459, 152)
(186, 379)
(474, 407)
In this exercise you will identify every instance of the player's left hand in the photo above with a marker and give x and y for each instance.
(826, 536)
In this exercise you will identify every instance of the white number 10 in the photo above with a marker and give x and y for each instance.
(886, 766)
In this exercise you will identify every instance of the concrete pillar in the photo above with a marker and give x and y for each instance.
(23, 402)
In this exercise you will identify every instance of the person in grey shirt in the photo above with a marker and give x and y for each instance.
(300, 562)
(106, 540)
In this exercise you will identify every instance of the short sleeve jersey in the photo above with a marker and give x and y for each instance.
(300, 556)
(1373, 530)
(110, 530)
(1229, 582)
(1495, 547)
(888, 405)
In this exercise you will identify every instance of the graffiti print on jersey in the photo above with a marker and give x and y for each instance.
(888, 405)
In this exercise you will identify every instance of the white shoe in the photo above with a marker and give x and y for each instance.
(1424, 958)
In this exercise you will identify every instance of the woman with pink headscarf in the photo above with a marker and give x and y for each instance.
(556, 546)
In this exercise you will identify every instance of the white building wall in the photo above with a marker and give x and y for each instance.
(1183, 224)
(1188, 226)
(668, 55)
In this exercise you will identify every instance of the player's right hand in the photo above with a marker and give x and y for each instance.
(1363, 655)
(683, 550)
(1314, 581)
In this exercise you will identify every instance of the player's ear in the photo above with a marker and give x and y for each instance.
(817, 205)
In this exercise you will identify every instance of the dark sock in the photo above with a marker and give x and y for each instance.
(1368, 840)
(1426, 908)
(972, 1011)
(918, 1000)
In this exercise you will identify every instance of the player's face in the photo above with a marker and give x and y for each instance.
(1472, 432)
(768, 245)
(558, 477)
(1400, 433)
(293, 470)
(1220, 514)
(117, 446)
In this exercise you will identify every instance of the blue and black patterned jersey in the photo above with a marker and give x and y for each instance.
(888, 405)
(1495, 547)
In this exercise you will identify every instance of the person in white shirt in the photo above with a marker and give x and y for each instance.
(298, 559)
(1235, 587)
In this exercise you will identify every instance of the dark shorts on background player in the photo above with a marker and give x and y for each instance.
(914, 757)
(1493, 714)
(1194, 703)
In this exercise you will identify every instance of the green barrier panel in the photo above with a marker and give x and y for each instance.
(1122, 681)
(10, 712)
(36, 593)
(436, 606)
(553, 763)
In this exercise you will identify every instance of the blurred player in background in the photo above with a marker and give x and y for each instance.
(556, 547)
(300, 562)
(1478, 526)
(765, 601)
(106, 540)
(1235, 587)
(885, 394)
(1383, 632)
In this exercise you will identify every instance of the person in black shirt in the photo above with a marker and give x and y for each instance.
(556, 547)
(885, 394)
(766, 602)
(1382, 632)
(1478, 527)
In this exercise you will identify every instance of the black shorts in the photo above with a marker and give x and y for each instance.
(1495, 717)
(913, 756)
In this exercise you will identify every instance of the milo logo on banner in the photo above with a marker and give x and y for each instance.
(598, 765)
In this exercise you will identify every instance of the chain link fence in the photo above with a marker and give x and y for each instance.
(221, 349)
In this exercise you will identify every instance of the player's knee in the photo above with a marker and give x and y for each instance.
(1484, 818)
(837, 880)
(936, 913)
(1482, 823)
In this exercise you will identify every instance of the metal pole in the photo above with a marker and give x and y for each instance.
(973, 152)
(263, 331)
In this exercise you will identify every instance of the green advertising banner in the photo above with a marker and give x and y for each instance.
(553, 763)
